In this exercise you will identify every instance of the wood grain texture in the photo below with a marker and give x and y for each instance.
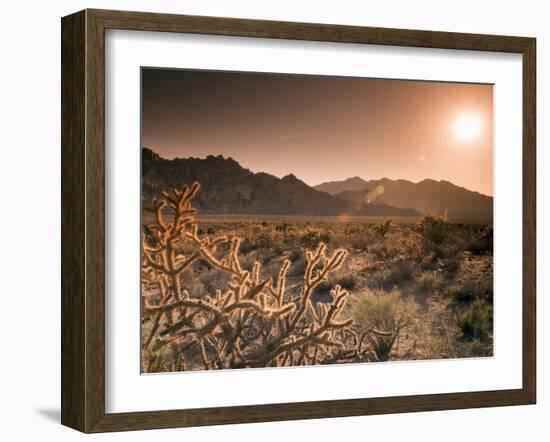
(95, 222)
(73, 104)
(529, 221)
(144, 21)
(83, 218)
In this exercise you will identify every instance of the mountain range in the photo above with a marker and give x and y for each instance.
(426, 196)
(227, 187)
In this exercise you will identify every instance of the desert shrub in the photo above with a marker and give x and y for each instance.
(294, 256)
(382, 316)
(244, 319)
(310, 238)
(265, 240)
(432, 252)
(470, 290)
(460, 293)
(451, 264)
(361, 242)
(325, 237)
(476, 321)
(284, 227)
(482, 241)
(382, 228)
(436, 347)
(376, 308)
(324, 287)
(484, 289)
(353, 230)
(394, 274)
(475, 348)
(246, 247)
(433, 228)
(430, 280)
(313, 238)
(322, 293)
(347, 281)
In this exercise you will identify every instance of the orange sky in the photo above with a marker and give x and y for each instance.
(323, 128)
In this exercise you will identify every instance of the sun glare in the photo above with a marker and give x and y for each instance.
(467, 127)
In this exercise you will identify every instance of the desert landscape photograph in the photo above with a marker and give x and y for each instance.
(302, 220)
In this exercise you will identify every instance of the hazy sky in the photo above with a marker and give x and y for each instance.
(323, 128)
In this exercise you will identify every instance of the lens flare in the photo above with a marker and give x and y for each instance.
(467, 127)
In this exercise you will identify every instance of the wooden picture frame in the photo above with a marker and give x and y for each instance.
(83, 220)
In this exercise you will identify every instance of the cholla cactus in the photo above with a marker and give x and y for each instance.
(253, 322)
(383, 227)
(433, 228)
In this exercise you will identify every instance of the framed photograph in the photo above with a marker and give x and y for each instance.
(266, 220)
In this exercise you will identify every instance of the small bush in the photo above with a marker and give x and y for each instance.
(451, 264)
(325, 237)
(347, 281)
(469, 291)
(433, 251)
(430, 280)
(475, 321)
(460, 293)
(294, 256)
(322, 292)
(265, 240)
(313, 238)
(377, 308)
(433, 228)
(324, 287)
(396, 274)
(484, 290)
(385, 314)
(284, 227)
(381, 229)
(475, 349)
(246, 247)
(482, 241)
(362, 242)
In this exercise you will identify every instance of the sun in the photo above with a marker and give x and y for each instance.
(467, 127)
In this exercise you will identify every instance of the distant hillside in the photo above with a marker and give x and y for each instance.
(365, 196)
(427, 196)
(334, 187)
(369, 202)
(226, 187)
